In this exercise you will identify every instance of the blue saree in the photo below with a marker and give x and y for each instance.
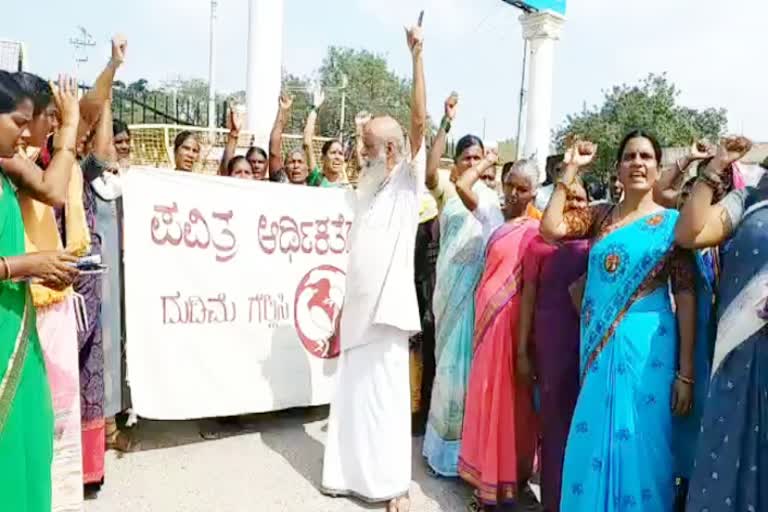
(685, 431)
(731, 468)
(619, 451)
(460, 264)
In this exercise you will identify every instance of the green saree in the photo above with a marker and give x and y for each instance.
(26, 412)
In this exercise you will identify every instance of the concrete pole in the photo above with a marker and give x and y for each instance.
(264, 69)
(212, 69)
(540, 30)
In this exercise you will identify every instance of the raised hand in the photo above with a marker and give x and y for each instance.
(581, 153)
(234, 123)
(318, 97)
(119, 46)
(285, 101)
(491, 157)
(701, 150)
(732, 149)
(65, 98)
(415, 38)
(361, 119)
(450, 106)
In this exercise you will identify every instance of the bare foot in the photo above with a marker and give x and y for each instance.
(401, 504)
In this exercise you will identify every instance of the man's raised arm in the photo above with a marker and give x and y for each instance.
(418, 129)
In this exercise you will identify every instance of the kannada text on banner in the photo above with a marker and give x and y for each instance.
(233, 291)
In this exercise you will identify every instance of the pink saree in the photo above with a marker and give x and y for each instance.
(57, 327)
(500, 427)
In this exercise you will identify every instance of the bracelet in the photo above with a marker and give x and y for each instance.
(685, 380)
(7, 267)
(65, 148)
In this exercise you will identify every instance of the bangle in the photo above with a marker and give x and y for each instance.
(7, 267)
(65, 148)
(711, 179)
(566, 186)
(685, 380)
(445, 124)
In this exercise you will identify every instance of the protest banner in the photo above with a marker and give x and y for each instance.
(233, 290)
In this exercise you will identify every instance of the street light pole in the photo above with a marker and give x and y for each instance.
(344, 83)
(518, 138)
(212, 69)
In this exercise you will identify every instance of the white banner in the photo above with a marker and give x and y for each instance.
(233, 290)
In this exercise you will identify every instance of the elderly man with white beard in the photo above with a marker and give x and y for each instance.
(368, 451)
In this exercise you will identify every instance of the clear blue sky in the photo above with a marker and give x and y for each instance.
(716, 56)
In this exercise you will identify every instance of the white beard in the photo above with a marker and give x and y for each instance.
(371, 179)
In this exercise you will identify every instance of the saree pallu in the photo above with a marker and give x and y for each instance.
(619, 450)
(555, 268)
(459, 266)
(57, 325)
(499, 434)
(26, 415)
(731, 468)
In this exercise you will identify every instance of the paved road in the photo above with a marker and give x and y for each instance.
(274, 466)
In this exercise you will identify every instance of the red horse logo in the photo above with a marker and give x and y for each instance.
(317, 309)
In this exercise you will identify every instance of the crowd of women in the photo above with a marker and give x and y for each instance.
(617, 348)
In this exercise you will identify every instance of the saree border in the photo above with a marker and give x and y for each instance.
(511, 287)
(667, 219)
(499, 300)
(10, 381)
(444, 302)
(501, 493)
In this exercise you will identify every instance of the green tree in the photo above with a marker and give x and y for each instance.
(370, 85)
(651, 105)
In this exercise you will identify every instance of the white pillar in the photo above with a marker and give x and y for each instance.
(541, 30)
(265, 59)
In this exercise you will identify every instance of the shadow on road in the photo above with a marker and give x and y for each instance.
(298, 448)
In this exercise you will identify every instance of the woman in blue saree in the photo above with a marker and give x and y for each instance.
(634, 373)
(731, 469)
(460, 264)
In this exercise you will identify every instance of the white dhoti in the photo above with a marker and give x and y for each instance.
(368, 450)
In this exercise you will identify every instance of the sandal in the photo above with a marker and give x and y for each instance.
(475, 505)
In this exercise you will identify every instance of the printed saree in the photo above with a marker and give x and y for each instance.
(731, 465)
(619, 452)
(460, 263)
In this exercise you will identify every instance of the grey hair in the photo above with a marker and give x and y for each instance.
(528, 168)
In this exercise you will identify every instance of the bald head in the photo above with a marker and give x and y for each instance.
(384, 138)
